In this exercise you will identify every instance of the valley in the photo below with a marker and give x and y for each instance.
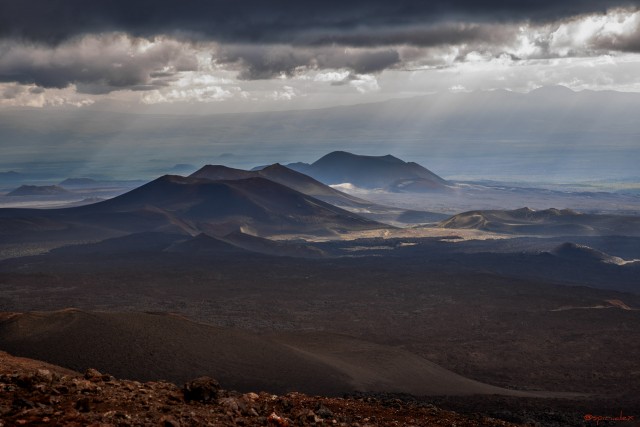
(256, 279)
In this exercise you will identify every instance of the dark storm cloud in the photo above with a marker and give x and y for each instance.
(95, 45)
(95, 64)
(274, 21)
(265, 62)
(422, 36)
(629, 42)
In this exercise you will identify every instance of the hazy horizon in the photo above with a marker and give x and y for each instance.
(480, 91)
(543, 136)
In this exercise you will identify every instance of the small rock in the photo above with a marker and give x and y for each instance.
(169, 421)
(275, 419)
(203, 389)
(83, 404)
(229, 403)
(85, 386)
(311, 416)
(22, 403)
(286, 403)
(44, 375)
(92, 375)
(324, 412)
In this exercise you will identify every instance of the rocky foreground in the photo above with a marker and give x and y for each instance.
(35, 393)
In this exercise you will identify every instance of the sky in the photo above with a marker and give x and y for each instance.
(261, 55)
(78, 58)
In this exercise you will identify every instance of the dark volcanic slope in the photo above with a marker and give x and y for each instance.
(285, 176)
(151, 347)
(578, 253)
(222, 173)
(372, 172)
(307, 185)
(272, 247)
(203, 244)
(546, 222)
(148, 346)
(257, 203)
(189, 206)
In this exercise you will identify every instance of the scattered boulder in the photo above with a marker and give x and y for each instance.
(324, 412)
(203, 389)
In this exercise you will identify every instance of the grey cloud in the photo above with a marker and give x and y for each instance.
(96, 64)
(10, 92)
(344, 81)
(417, 35)
(275, 21)
(629, 42)
(263, 40)
(264, 62)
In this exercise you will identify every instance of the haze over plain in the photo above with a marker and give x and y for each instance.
(436, 198)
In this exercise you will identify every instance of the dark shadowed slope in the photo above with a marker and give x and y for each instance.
(238, 243)
(376, 367)
(312, 187)
(148, 346)
(578, 253)
(151, 347)
(272, 247)
(546, 222)
(203, 244)
(128, 245)
(222, 173)
(372, 172)
(189, 206)
(285, 176)
(257, 204)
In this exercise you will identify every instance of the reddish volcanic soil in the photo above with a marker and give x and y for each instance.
(34, 393)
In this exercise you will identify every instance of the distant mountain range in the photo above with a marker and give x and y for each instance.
(189, 205)
(386, 172)
(38, 190)
(10, 176)
(220, 209)
(264, 206)
(303, 183)
(556, 222)
(285, 176)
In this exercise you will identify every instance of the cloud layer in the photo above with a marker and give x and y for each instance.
(210, 50)
(96, 63)
(276, 21)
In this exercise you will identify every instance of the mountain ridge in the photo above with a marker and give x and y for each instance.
(364, 171)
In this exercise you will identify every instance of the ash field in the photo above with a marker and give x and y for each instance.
(275, 280)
